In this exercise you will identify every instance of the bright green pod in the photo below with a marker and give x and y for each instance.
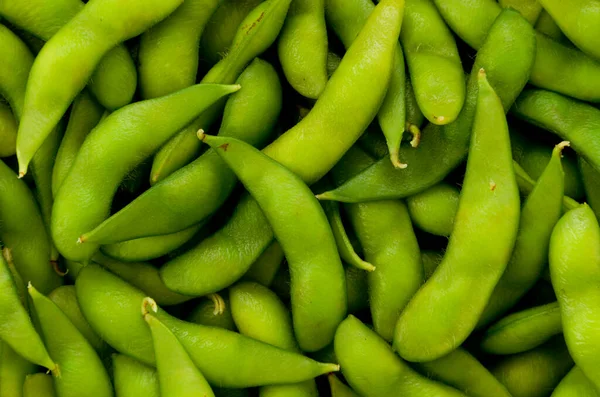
(22, 231)
(433, 210)
(196, 191)
(302, 47)
(575, 384)
(339, 389)
(446, 309)
(523, 331)
(168, 53)
(540, 212)
(215, 311)
(113, 81)
(8, 131)
(447, 146)
(546, 25)
(318, 293)
(38, 385)
(177, 374)
(195, 272)
(80, 370)
(591, 183)
(462, 371)
(536, 372)
(433, 62)
(575, 272)
(123, 139)
(85, 115)
(133, 379)
(374, 370)
(255, 34)
(61, 69)
(106, 300)
(13, 372)
(14, 69)
(530, 9)
(264, 269)
(347, 18)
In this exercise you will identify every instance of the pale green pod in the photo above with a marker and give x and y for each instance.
(13, 371)
(134, 379)
(575, 384)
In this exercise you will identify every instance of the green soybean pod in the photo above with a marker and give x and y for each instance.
(541, 211)
(177, 375)
(575, 272)
(374, 370)
(546, 25)
(523, 331)
(302, 47)
(62, 69)
(133, 379)
(591, 183)
(318, 292)
(414, 115)
(433, 62)
(125, 138)
(195, 272)
(81, 372)
(214, 311)
(464, 372)
(536, 372)
(13, 371)
(357, 289)
(8, 131)
(38, 385)
(196, 191)
(85, 115)
(433, 210)
(14, 69)
(575, 384)
(530, 9)
(105, 300)
(339, 389)
(168, 53)
(489, 198)
(264, 269)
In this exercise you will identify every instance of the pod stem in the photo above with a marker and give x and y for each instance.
(148, 302)
(218, 303)
(416, 134)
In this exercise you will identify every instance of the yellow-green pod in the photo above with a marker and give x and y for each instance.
(215, 311)
(575, 384)
(339, 389)
(433, 210)
(133, 379)
(38, 385)
(13, 371)
(8, 131)
(530, 9)
(591, 183)
(264, 269)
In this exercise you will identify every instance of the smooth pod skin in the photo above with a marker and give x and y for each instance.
(433, 210)
(133, 379)
(339, 389)
(318, 293)
(591, 183)
(373, 369)
(575, 272)
(255, 34)
(302, 47)
(575, 384)
(196, 191)
(433, 62)
(450, 303)
(546, 25)
(177, 375)
(540, 212)
(323, 136)
(168, 54)
(347, 18)
(264, 269)
(579, 21)
(38, 385)
(215, 311)
(115, 78)
(462, 371)
(81, 372)
(14, 69)
(85, 115)
(13, 371)
(447, 146)
(62, 69)
(572, 120)
(225, 358)
(8, 131)
(22, 231)
(523, 331)
(530, 9)
(536, 372)
(123, 139)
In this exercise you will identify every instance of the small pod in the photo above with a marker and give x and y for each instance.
(214, 311)
(134, 379)
(8, 131)
(575, 384)
(38, 385)
(433, 210)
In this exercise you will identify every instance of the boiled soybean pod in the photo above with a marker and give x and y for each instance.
(339, 389)
(546, 25)
(214, 311)
(8, 131)
(433, 210)
(575, 384)
(530, 9)
(38, 385)
(13, 371)
(133, 379)
(489, 198)
(264, 269)
(591, 183)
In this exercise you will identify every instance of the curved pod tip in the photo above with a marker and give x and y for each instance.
(394, 157)
(35, 294)
(559, 148)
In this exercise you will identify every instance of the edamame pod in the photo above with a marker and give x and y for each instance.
(575, 271)
(465, 278)
(591, 183)
(133, 379)
(14, 69)
(8, 131)
(523, 331)
(199, 189)
(374, 370)
(114, 80)
(447, 146)
(530, 9)
(177, 375)
(215, 311)
(541, 211)
(339, 389)
(357, 289)
(38, 385)
(433, 210)
(546, 25)
(124, 139)
(81, 371)
(302, 47)
(414, 116)
(106, 300)
(318, 292)
(575, 384)
(168, 54)
(526, 185)
(61, 69)
(433, 62)
(264, 269)
(336, 117)
(13, 371)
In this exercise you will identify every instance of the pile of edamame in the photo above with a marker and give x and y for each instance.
(299, 198)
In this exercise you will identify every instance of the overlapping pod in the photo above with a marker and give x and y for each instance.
(133, 379)
(339, 389)
(13, 371)
(433, 210)
(591, 183)
(214, 311)
(8, 131)
(264, 269)
(38, 385)
(575, 384)
(336, 118)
